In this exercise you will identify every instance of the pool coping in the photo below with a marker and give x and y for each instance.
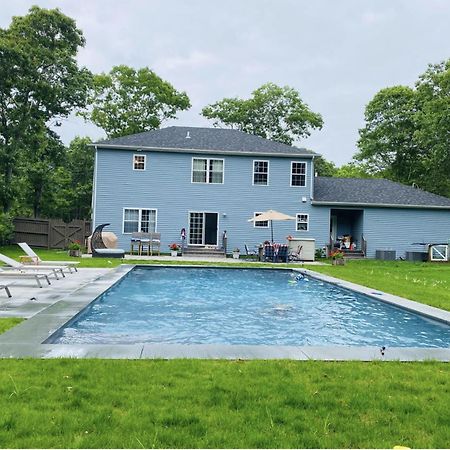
(26, 339)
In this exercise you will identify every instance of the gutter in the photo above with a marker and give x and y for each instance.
(196, 150)
(378, 205)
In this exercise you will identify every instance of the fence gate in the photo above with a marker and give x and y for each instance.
(50, 233)
(439, 252)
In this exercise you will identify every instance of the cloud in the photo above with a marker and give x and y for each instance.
(194, 60)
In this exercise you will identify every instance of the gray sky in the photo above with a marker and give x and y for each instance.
(337, 54)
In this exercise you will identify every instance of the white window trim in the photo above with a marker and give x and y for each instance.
(254, 223)
(207, 170)
(306, 173)
(253, 171)
(297, 222)
(145, 162)
(140, 218)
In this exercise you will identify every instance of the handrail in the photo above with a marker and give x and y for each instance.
(224, 241)
(363, 245)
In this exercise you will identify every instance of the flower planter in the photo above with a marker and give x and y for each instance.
(236, 255)
(338, 262)
(173, 253)
(76, 253)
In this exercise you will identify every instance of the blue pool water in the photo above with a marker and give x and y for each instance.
(199, 306)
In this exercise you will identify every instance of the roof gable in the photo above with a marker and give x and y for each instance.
(190, 139)
(374, 192)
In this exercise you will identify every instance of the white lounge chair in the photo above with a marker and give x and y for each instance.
(13, 265)
(6, 288)
(27, 275)
(36, 260)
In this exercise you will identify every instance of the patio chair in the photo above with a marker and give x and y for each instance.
(269, 253)
(13, 265)
(99, 249)
(296, 255)
(37, 260)
(252, 254)
(282, 254)
(155, 242)
(37, 276)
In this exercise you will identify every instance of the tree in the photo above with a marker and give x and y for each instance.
(406, 137)
(127, 101)
(39, 81)
(324, 168)
(273, 112)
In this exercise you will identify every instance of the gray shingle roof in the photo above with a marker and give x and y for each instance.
(373, 192)
(205, 139)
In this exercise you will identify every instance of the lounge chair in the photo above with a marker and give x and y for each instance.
(6, 288)
(99, 248)
(37, 275)
(36, 260)
(13, 265)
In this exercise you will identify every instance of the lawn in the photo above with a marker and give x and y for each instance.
(194, 403)
(202, 403)
(427, 283)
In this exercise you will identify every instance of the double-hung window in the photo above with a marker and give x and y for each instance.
(139, 219)
(139, 162)
(302, 222)
(298, 173)
(260, 223)
(261, 173)
(207, 170)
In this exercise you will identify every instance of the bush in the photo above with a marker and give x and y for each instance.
(6, 228)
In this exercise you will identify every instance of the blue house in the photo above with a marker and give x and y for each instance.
(210, 180)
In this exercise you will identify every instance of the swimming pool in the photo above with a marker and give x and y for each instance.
(244, 306)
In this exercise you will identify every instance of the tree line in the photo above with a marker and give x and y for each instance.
(406, 136)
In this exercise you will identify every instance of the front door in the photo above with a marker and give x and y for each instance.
(203, 228)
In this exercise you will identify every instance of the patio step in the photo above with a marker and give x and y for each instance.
(202, 251)
(353, 254)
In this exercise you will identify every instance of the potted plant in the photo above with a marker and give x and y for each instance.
(236, 253)
(337, 258)
(74, 249)
(174, 248)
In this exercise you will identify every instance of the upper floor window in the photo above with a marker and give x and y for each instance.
(260, 223)
(298, 173)
(302, 222)
(139, 219)
(261, 172)
(139, 162)
(206, 170)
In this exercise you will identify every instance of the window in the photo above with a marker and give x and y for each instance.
(298, 173)
(205, 170)
(302, 222)
(261, 223)
(138, 219)
(138, 162)
(261, 173)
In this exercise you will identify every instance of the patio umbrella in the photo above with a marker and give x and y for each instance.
(271, 215)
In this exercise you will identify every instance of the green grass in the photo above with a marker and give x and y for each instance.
(194, 403)
(8, 322)
(427, 283)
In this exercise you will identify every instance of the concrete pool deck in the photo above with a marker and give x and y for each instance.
(54, 306)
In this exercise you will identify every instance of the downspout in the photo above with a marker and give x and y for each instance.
(311, 193)
(94, 190)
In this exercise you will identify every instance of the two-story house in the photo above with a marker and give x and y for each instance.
(208, 180)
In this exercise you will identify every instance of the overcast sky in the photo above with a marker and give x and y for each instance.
(337, 54)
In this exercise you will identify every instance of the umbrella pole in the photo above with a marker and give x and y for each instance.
(271, 229)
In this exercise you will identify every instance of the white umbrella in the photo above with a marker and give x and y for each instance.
(271, 215)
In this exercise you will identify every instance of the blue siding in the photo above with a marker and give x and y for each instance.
(166, 186)
(398, 229)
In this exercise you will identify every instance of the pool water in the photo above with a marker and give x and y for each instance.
(244, 306)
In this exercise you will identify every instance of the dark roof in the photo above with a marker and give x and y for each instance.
(204, 139)
(373, 191)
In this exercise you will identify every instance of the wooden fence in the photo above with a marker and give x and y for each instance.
(50, 233)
